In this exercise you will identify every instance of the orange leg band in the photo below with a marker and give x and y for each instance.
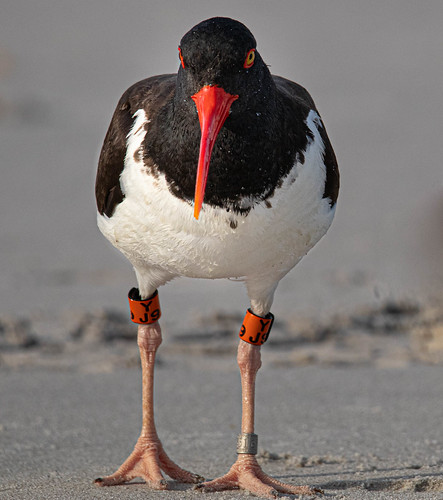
(255, 329)
(145, 311)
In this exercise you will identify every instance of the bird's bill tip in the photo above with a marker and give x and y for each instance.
(197, 208)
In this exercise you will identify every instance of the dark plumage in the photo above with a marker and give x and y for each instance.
(262, 138)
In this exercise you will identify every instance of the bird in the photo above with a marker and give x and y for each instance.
(221, 170)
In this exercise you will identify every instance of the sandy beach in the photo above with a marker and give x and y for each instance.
(357, 433)
(350, 396)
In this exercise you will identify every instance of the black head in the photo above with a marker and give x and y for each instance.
(221, 51)
(215, 50)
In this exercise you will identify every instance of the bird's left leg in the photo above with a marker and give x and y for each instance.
(246, 473)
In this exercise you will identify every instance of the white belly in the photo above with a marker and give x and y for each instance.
(155, 229)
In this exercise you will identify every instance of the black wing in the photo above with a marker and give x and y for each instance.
(146, 94)
(302, 96)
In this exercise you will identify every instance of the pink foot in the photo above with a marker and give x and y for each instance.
(246, 474)
(147, 461)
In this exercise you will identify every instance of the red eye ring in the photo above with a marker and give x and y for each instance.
(250, 57)
(181, 57)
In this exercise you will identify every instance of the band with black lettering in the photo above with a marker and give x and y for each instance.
(255, 329)
(144, 312)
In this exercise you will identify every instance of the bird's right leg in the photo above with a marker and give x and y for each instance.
(148, 458)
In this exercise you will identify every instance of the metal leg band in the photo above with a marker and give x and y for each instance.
(247, 443)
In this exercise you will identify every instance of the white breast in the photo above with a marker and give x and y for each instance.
(157, 232)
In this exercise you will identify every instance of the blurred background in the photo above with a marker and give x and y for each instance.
(374, 69)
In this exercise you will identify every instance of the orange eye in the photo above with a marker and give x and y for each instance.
(181, 57)
(250, 57)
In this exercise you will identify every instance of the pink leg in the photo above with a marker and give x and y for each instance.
(246, 472)
(148, 458)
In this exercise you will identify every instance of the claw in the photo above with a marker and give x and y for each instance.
(246, 474)
(147, 461)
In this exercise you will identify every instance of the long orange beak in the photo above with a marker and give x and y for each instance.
(213, 105)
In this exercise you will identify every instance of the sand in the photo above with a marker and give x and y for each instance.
(350, 393)
(357, 433)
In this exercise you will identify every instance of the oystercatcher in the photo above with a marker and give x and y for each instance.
(219, 171)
